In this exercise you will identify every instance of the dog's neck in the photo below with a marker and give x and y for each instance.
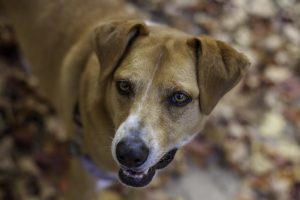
(103, 178)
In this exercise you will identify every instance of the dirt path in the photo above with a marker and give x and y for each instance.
(205, 184)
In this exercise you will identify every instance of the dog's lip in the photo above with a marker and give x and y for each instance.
(137, 178)
(166, 159)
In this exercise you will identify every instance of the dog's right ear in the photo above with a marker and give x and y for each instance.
(112, 40)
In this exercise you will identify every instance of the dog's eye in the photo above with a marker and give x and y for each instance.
(179, 99)
(124, 87)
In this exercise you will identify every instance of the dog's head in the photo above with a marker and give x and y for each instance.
(157, 85)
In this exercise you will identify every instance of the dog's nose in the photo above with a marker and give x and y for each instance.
(132, 152)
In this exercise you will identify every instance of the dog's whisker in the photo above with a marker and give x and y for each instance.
(111, 138)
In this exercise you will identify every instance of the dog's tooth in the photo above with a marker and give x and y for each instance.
(126, 173)
(135, 175)
(145, 172)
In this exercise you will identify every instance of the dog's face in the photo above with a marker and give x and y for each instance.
(160, 85)
(154, 101)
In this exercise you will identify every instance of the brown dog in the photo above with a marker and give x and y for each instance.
(143, 90)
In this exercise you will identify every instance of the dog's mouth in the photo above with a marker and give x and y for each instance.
(140, 179)
(136, 179)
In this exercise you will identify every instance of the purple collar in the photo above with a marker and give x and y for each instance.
(90, 166)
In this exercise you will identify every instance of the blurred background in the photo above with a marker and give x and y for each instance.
(250, 148)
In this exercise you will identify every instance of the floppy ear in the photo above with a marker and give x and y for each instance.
(112, 40)
(219, 68)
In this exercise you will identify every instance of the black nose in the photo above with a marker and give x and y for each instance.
(132, 152)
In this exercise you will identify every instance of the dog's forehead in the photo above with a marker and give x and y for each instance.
(163, 56)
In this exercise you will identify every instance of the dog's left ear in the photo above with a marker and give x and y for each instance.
(113, 39)
(219, 68)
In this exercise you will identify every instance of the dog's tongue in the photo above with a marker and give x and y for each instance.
(136, 179)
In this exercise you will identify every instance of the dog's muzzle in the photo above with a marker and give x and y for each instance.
(131, 154)
(140, 179)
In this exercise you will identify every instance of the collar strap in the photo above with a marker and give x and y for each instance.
(94, 170)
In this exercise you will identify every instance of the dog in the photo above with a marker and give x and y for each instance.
(138, 90)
